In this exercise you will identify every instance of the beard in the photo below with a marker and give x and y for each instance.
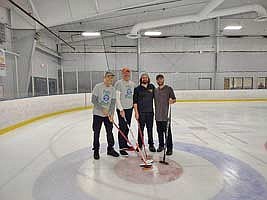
(126, 77)
(160, 83)
(144, 81)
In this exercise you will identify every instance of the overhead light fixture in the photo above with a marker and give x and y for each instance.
(152, 33)
(90, 34)
(233, 27)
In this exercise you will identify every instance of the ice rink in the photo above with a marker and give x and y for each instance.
(60, 59)
(219, 154)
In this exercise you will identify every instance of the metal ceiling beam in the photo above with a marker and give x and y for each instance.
(34, 9)
(39, 22)
(122, 9)
(69, 7)
(35, 12)
(209, 8)
(150, 4)
(96, 6)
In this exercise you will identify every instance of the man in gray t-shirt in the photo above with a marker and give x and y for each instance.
(164, 96)
(124, 104)
(104, 100)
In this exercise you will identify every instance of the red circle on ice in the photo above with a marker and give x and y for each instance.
(129, 169)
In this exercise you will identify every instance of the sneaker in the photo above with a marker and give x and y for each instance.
(112, 152)
(96, 155)
(124, 153)
(152, 148)
(169, 152)
(160, 149)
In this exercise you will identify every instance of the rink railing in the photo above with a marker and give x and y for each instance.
(220, 95)
(20, 112)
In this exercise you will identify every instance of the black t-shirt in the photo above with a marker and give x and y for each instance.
(143, 97)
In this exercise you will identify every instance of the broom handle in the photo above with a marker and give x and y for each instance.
(166, 133)
(141, 153)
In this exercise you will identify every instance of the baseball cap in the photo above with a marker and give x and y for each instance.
(125, 70)
(109, 73)
(159, 76)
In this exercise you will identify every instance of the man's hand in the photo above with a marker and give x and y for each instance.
(111, 119)
(171, 101)
(136, 116)
(105, 112)
(122, 113)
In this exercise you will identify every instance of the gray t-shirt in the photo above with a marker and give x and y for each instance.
(103, 97)
(162, 97)
(126, 89)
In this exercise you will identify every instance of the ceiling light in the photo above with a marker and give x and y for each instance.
(233, 27)
(153, 33)
(90, 34)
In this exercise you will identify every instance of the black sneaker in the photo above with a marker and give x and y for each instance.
(152, 148)
(112, 152)
(160, 149)
(124, 153)
(169, 152)
(96, 155)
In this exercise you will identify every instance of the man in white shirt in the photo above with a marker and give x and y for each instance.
(124, 104)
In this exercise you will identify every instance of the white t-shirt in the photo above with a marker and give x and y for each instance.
(125, 89)
(106, 98)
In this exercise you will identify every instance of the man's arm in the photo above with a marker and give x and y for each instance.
(118, 95)
(172, 96)
(135, 101)
(118, 100)
(112, 106)
(95, 101)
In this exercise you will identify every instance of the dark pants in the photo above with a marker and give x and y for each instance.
(123, 126)
(97, 123)
(146, 119)
(161, 129)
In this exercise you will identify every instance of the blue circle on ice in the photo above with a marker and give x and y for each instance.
(241, 181)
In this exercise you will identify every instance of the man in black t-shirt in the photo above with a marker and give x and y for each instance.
(143, 108)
